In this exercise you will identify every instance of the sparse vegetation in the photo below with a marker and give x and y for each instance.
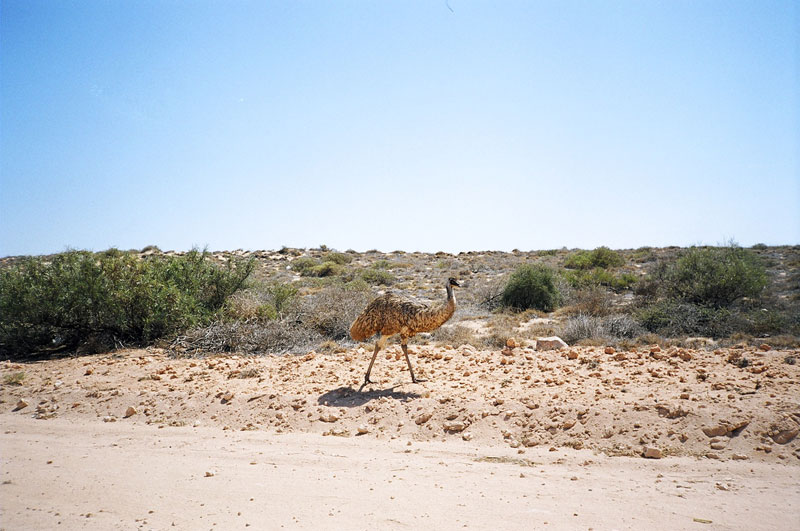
(14, 378)
(302, 297)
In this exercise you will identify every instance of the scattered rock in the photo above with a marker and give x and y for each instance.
(764, 347)
(362, 429)
(511, 343)
(572, 355)
(550, 343)
(610, 350)
(210, 473)
(131, 411)
(21, 405)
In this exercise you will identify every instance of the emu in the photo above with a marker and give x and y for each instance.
(391, 314)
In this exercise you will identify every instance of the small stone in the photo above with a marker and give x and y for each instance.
(131, 411)
(511, 343)
(620, 356)
(610, 350)
(423, 418)
(784, 436)
(550, 343)
(685, 356)
(764, 347)
(362, 429)
(21, 405)
(684, 396)
(210, 473)
(572, 355)
(227, 397)
(88, 372)
(454, 426)
(467, 436)
(330, 417)
(653, 453)
(715, 431)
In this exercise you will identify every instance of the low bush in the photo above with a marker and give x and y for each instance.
(338, 258)
(715, 276)
(602, 257)
(598, 276)
(615, 327)
(377, 277)
(77, 297)
(330, 312)
(531, 286)
(676, 318)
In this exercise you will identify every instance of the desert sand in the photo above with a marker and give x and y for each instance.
(513, 439)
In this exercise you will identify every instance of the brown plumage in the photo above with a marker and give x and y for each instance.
(391, 314)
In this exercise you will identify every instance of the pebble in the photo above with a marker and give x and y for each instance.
(423, 418)
(610, 350)
(131, 411)
(21, 405)
(362, 429)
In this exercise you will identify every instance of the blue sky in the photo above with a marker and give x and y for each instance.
(409, 125)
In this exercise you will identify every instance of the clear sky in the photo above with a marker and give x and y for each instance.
(439, 125)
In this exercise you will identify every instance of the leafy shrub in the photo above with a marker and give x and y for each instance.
(327, 269)
(715, 276)
(598, 276)
(602, 257)
(304, 265)
(338, 258)
(377, 277)
(531, 286)
(76, 297)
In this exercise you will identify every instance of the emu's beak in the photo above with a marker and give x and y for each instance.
(455, 283)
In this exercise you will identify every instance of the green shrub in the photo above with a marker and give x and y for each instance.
(303, 265)
(377, 277)
(338, 258)
(715, 276)
(327, 269)
(63, 301)
(602, 257)
(531, 286)
(281, 296)
(584, 278)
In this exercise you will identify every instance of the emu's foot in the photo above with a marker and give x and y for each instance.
(419, 380)
(367, 381)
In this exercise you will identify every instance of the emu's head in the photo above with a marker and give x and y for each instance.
(453, 282)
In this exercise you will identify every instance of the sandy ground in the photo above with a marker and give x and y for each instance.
(515, 439)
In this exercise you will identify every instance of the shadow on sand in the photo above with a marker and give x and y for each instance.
(349, 397)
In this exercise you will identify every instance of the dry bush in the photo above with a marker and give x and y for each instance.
(254, 337)
(615, 327)
(331, 311)
(455, 335)
(593, 300)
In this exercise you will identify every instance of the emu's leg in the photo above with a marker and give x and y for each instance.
(381, 341)
(408, 360)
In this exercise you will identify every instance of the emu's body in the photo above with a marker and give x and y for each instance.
(391, 314)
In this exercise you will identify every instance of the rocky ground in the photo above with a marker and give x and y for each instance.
(144, 439)
(723, 404)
